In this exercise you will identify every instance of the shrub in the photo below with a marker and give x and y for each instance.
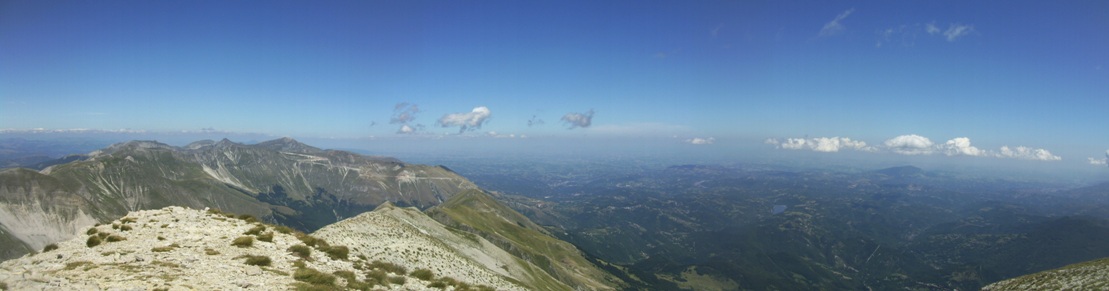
(210, 252)
(93, 241)
(311, 276)
(50, 247)
(423, 274)
(102, 234)
(115, 226)
(283, 229)
(165, 225)
(253, 260)
(377, 276)
(300, 264)
(398, 280)
(124, 227)
(302, 251)
(161, 238)
(162, 249)
(311, 240)
(92, 231)
(77, 264)
(437, 284)
(336, 252)
(348, 275)
(243, 241)
(248, 218)
(255, 230)
(127, 220)
(389, 267)
(266, 237)
(115, 238)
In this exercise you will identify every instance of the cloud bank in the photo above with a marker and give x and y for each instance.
(468, 120)
(574, 119)
(912, 144)
(821, 144)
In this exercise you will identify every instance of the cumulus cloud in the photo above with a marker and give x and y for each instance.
(404, 113)
(1026, 153)
(700, 141)
(468, 120)
(961, 146)
(835, 27)
(931, 28)
(821, 144)
(574, 119)
(910, 144)
(1100, 162)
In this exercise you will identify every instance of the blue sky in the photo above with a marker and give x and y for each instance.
(715, 73)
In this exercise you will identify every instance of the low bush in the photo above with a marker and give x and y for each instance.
(115, 238)
(336, 252)
(257, 229)
(266, 237)
(91, 231)
(210, 252)
(93, 241)
(50, 247)
(423, 274)
(314, 277)
(398, 280)
(253, 260)
(243, 241)
(124, 227)
(302, 251)
(248, 218)
(283, 229)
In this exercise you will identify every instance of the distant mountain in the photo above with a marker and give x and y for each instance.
(902, 172)
(282, 181)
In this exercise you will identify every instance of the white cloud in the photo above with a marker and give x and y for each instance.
(699, 141)
(961, 146)
(835, 27)
(910, 144)
(466, 121)
(405, 129)
(956, 31)
(931, 28)
(1098, 162)
(821, 144)
(1026, 153)
(575, 119)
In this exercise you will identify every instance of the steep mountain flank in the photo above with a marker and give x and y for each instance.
(408, 237)
(477, 212)
(1081, 276)
(282, 181)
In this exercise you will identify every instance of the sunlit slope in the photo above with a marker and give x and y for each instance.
(1089, 275)
(281, 180)
(408, 237)
(477, 212)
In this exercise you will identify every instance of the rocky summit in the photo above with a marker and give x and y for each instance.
(177, 248)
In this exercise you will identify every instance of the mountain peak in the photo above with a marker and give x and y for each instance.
(288, 144)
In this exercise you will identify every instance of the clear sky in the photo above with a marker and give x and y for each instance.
(904, 77)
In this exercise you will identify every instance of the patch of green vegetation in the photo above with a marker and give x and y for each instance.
(115, 238)
(257, 229)
(163, 249)
(127, 220)
(243, 241)
(314, 277)
(301, 251)
(91, 231)
(210, 252)
(92, 241)
(311, 240)
(388, 267)
(103, 234)
(50, 247)
(266, 237)
(165, 264)
(336, 252)
(248, 218)
(423, 274)
(77, 264)
(254, 260)
(398, 280)
(124, 227)
(283, 229)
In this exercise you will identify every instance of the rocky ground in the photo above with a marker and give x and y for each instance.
(177, 248)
